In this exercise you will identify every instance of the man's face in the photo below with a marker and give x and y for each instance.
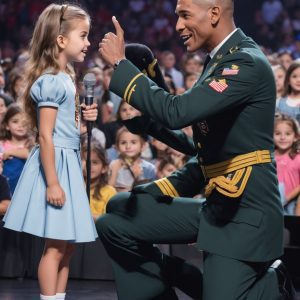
(194, 24)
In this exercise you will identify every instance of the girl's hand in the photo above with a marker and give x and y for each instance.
(6, 155)
(136, 169)
(55, 195)
(89, 113)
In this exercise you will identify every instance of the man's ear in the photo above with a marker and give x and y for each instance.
(215, 15)
(61, 41)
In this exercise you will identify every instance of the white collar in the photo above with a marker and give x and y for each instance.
(216, 49)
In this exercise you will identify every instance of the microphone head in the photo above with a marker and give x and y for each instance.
(89, 81)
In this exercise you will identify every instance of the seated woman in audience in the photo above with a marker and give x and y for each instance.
(289, 104)
(101, 191)
(129, 169)
(286, 138)
(15, 144)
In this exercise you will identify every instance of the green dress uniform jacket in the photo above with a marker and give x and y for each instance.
(231, 109)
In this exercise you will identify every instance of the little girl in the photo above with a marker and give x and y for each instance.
(166, 166)
(50, 199)
(125, 112)
(286, 135)
(279, 74)
(289, 104)
(15, 143)
(101, 191)
(129, 169)
(4, 102)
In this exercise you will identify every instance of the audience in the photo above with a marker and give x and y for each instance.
(277, 28)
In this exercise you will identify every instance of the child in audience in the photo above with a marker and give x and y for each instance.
(190, 79)
(279, 74)
(129, 169)
(125, 112)
(15, 143)
(289, 104)
(165, 167)
(101, 191)
(5, 194)
(4, 103)
(286, 137)
(178, 157)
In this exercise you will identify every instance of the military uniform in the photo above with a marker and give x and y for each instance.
(240, 226)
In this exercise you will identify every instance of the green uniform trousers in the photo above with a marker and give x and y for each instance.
(133, 223)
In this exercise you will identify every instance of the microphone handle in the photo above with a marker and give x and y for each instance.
(88, 100)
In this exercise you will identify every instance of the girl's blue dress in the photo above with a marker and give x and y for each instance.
(29, 210)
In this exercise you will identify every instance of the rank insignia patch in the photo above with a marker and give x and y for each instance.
(219, 85)
(233, 70)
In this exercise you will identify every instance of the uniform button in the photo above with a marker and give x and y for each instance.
(199, 145)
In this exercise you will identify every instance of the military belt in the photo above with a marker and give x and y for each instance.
(236, 163)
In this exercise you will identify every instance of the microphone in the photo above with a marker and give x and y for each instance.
(89, 81)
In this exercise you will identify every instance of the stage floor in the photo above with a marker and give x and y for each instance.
(27, 289)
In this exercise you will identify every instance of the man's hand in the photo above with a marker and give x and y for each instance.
(112, 46)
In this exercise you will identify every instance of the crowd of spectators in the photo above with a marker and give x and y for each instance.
(277, 29)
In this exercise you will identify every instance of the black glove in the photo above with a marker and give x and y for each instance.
(142, 57)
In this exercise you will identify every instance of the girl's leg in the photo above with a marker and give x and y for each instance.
(49, 265)
(63, 271)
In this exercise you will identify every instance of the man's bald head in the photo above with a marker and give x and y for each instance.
(227, 5)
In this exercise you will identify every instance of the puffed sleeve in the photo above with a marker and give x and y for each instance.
(48, 90)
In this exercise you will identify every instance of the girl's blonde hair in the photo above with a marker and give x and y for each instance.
(282, 118)
(55, 20)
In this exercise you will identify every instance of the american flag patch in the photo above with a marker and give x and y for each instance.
(219, 86)
(229, 71)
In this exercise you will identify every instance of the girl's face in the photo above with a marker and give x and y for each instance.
(19, 87)
(77, 43)
(192, 65)
(127, 111)
(97, 167)
(167, 170)
(3, 108)
(279, 79)
(286, 60)
(190, 80)
(130, 145)
(284, 136)
(295, 81)
(17, 126)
